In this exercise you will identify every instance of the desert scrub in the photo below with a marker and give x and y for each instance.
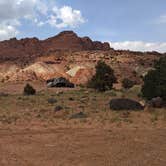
(115, 118)
(127, 83)
(155, 81)
(9, 119)
(103, 79)
(155, 116)
(29, 90)
(111, 93)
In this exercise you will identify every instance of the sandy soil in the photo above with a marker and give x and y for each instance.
(83, 147)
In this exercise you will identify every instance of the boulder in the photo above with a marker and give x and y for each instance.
(125, 104)
(58, 108)
(52, 101)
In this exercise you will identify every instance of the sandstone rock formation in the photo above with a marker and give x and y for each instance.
(67, 55)
(82, 76)
(27, 50)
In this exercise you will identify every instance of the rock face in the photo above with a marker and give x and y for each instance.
(69, 56)
(45, 71)
(26, 50)
(68, 40)
(82, 76)
(20, 51)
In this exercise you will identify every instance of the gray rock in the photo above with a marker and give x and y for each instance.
(52, 101)
(125, 104)
(58, 108)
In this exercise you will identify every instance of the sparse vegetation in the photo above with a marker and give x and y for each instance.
(112, 93)
(29, 90)
(155, 116)
(94, 105)
(104, 78)
(155, 81)
(127, 83)
(79, 115)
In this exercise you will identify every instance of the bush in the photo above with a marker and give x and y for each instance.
(127, 83)
(111, 93)
(104, 78)
(155, 81)
(29, 90)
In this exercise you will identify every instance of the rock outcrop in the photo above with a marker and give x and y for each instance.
(67, 55)
(68, 40)
(25, 51)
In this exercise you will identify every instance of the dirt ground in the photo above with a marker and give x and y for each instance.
(83, 147)
(32, 134)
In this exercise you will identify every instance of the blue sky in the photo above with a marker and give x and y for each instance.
(120, 20)
(126, 24)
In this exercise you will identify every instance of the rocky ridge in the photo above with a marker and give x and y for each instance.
(69, 56)
(26, 50)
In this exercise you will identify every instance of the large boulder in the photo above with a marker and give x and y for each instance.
(125, 104)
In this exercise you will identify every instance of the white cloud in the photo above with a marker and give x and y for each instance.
(139, 46)
(42, 7)
(65, 17)
(161, 19)
(7, 31)
(40, 23)
(11, 11)
(39, 12)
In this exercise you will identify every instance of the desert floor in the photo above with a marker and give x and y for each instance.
(32, 133)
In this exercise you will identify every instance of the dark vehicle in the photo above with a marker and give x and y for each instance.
(59, 82)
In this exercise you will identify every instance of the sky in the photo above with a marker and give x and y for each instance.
(138, 25)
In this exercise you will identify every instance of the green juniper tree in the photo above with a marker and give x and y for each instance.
(104, 78)
(29, 90)
(155, 81)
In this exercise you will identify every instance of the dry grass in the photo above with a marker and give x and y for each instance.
(30, 124)
(17, 107)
